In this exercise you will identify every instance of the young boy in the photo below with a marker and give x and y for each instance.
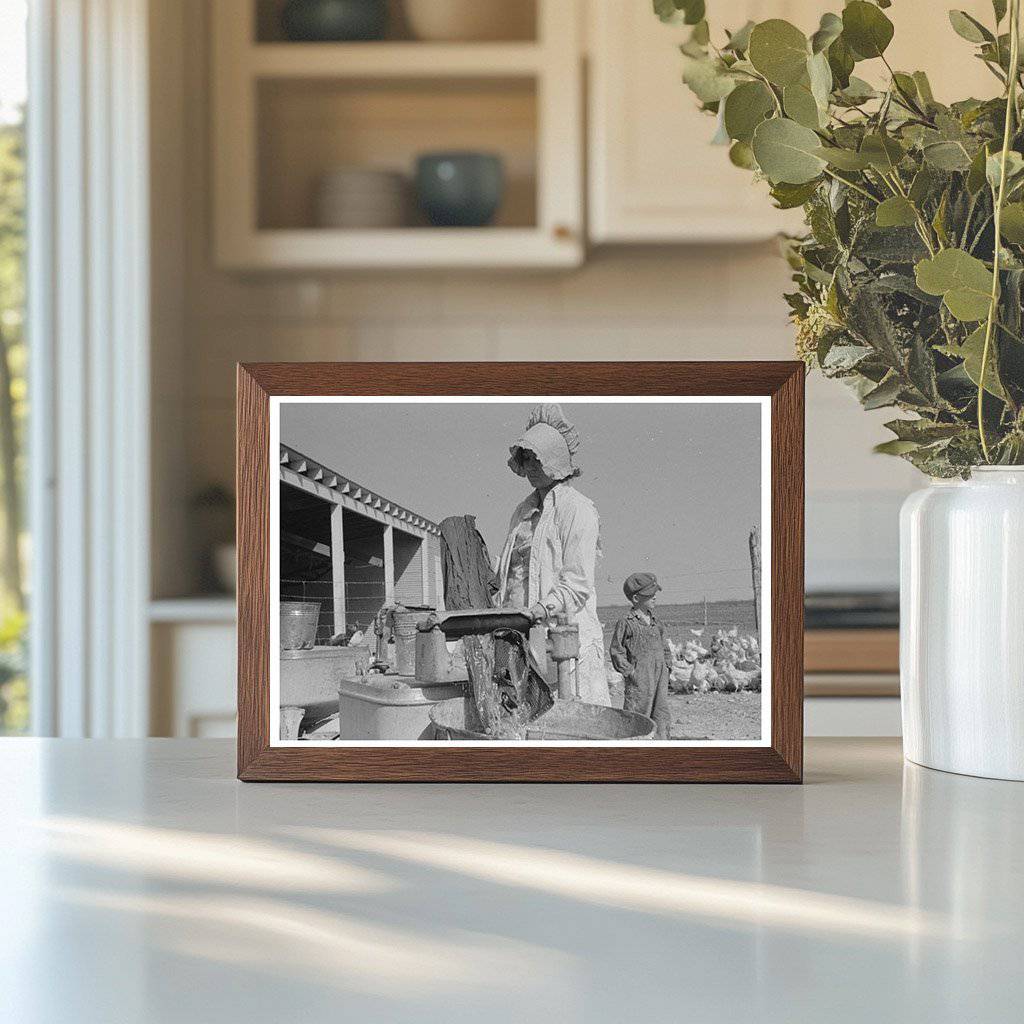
(640, 651)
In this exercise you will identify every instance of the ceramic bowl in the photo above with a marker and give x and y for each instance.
(359, 197)
(470, 20)
(460, 189)
(333, 21)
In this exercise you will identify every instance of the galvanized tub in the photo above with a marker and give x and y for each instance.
(388, 707)
(567, 720)
(310, 676)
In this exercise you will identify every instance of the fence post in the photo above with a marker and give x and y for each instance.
(755, 576)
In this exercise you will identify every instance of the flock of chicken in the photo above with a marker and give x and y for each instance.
(728, 664)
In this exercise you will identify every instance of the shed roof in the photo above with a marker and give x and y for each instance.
(354, 495)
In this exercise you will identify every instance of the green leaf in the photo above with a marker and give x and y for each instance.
(947, 156)
(923, 431)
(895, 212)
(690, 12)
(801, 106)
(819, 74)
(895, 447)
(976, 173)
(666, 10)
(745, 108)
(939, 220)
(779, 51)
(841, 63)
(842, 359)
(969, 28)
(922, 185)
(741, 155)
(701, 34)
(707, 78)
(721, 136)
(921, 370)
(924, 88)
(787, 152)
(889, 245)
(788, 197)
(963, 281)
(1012, 224)
(693, 11)
(993, 167)
(885, 394)
(866, 29)
(844, 159)
(739, 41)
(905, 84)
(829, 30)
(857, 91)
(868, 318)
(883, 152)
(971, 352)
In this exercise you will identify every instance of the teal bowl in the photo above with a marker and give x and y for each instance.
(460, 189)
(334, 21)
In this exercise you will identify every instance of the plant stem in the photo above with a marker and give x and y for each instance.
(907, 99)
(980, 232)
(894, 183)
(1012, 334)
(775, 98)
(1011, 108)
(853, 185)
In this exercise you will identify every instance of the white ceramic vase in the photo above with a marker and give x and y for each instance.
(962, 624)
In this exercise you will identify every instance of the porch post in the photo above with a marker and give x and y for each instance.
(425, 567)
(438, 578)
(389, 564)
(338, 566)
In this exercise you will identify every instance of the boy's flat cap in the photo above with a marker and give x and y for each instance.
(644, 584)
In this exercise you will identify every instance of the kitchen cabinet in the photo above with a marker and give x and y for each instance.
(286, 114)
(653, 177)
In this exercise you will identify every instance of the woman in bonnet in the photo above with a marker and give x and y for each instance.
(549, 557)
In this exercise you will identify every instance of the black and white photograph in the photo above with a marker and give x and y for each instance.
(541, 570)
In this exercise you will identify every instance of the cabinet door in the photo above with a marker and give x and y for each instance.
(653, 174)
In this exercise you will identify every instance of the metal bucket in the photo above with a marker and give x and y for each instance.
(406, 622)
(567, 720)
(298, 624)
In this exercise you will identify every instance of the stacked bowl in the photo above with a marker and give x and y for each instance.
(362, 197)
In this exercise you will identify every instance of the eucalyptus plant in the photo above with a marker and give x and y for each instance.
(910, 277)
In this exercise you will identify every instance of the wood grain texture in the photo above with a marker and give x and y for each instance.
(780, 762)
(852, 650)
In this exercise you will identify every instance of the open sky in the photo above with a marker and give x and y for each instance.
(677, 485)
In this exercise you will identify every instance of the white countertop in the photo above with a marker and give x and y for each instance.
(140, 882)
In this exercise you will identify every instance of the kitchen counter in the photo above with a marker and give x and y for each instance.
(140, 882)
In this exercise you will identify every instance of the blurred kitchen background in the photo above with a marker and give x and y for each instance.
(291, 217)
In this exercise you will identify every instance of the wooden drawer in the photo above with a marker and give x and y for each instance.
(852, 650)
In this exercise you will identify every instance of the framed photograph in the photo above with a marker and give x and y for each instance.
(512, 572)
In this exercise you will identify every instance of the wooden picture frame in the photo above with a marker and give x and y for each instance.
(780, 759)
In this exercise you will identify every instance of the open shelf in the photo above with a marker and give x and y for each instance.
(309, 127)
(410, 248)
(390, 60)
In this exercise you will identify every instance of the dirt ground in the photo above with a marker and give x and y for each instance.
(707, 716)
(716, 716)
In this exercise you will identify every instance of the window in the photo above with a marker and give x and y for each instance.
(14, 691)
